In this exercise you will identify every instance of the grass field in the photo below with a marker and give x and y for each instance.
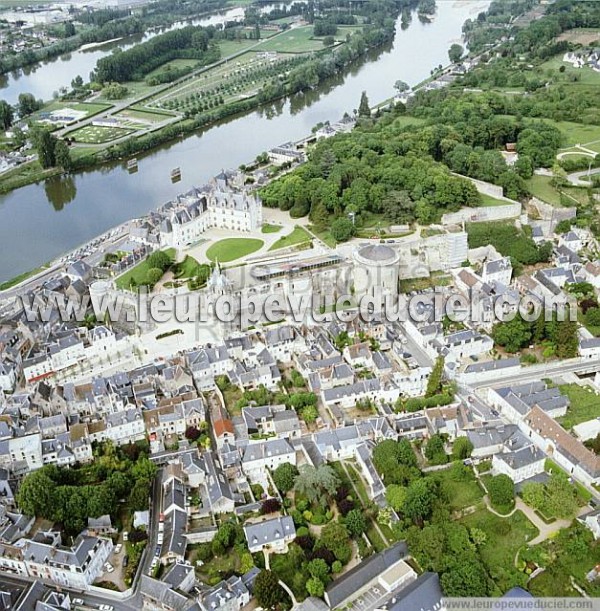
(188, 268)
(231, 249)
(174, 63)
(92, 134)
(586, 75)
(488, 200)
(585, 405)
(268, 228)
(577, 133)
(295, 40)
(504, 538)
(145, 116)
(461, 493)
(298, 236)
(138, 273)
(89, 108)
(540, 187)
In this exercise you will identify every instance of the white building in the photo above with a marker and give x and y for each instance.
(272, 535)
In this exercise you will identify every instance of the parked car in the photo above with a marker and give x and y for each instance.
(157, 551)
(118, 548)
(125, 535)
(108, 567)
(106, 608)
(78, 601)
(125, 561)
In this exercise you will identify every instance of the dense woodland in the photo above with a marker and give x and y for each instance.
(401, 169)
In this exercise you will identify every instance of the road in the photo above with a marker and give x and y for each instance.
(537, 372)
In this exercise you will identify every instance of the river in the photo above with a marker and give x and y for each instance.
(39, 222)
(45, 78)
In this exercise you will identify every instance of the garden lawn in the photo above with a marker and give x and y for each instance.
(188, 268)
(540, 187)
(268, 228)
(585, 405)
(488, 200)
(577, 133)
(138, 272)
(295, 40)
(93, 134)
(504, 538)
(461, 493)
(298, 236)
(231, 249)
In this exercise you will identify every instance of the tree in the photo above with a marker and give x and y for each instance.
(434, 383)
(533, 494)
(395, 495)
(401, 86)
(342, 229)
(501, 490)
(153, 275)
(269, 594)
(140, 495)
(455, 53)
(36, 493)
(45, 144)
(6, 114)
(315, 587)
(462, 448)
(328, 41)
(316, 483)
(159, 259)
(335, 538)
(364, 110)
(192, 433)
(419, 501)
(465, 579)
(63, 156)
(270, 506)
(561, 495)
(69, 29)
(513, 334)
(319, 568)
(27, 104)
(356, 523)
(435, 451)
(284, 477)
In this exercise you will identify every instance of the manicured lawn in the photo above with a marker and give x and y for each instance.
(358, 482)
(461, 493)
(298, 236)
(92, 134)
(540, 187)
(189, 268)
(488, 200)
(231, 249)
(20, 278)
(375, 538)
(138, 273)
(585, 405)
(586, 75)
(295, 40)
(88, 107)
(267, 228)
(154, 116)
(504, 538)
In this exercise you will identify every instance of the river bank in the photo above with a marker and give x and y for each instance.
(64, 211)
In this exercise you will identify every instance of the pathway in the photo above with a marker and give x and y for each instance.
(377, 528)
(545, 530)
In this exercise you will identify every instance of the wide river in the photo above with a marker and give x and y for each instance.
(41, 221)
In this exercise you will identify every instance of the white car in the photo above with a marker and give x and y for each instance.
(109, 568)
(118, 548)
(106, 608)
(78, 601)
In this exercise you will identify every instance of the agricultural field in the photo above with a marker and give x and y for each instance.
(144, 117)
(582, 36)
(93, 134)
(228, 82)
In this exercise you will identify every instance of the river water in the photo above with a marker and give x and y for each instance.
(39, 222)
